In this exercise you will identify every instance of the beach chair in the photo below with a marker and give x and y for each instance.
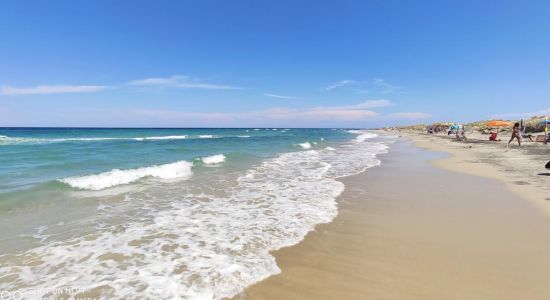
(525, 135)
(541, 138)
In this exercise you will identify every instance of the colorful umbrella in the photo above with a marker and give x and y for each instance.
(498, 123)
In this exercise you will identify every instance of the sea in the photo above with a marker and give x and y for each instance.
(164, 213)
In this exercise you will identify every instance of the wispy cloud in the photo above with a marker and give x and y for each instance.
(340, 84)
(307, 115)
(283, 115)
(386, 87)
(408, 115)
(376, 85)
(50, 89)
(169, 115)
(280, 96)
(542, 112)
(180, 81)
(368, 104)
(354, 112)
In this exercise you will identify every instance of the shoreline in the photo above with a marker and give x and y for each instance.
(400, 236)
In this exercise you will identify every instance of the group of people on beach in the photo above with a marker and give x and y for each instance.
(460, 133)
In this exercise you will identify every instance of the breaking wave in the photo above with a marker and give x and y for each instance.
(180, 169)
(214, 159)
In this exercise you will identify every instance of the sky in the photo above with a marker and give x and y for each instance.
(271, 63)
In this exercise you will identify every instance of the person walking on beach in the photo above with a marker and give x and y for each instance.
(515, 135)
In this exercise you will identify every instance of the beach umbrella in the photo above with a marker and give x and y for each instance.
(499, 123)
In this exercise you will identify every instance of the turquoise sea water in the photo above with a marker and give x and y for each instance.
(33, 157)
(164, 213)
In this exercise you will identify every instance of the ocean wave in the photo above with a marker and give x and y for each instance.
(193, 245)
(365, 136)
(214, 159)
(5, 140)
(180, 169)
(23, 140)
(305, 145)
(169, 137)
(362, 135)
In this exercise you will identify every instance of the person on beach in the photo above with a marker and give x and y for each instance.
(515, 135)
(461, 133)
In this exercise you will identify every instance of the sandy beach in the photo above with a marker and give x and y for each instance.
(461, 223)
(520, 168)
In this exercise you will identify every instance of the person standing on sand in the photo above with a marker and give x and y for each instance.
(515, 135)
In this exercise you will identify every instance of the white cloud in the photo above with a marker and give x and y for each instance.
(386, 87)
(279, 96)
(358, 112)
(350, 113)
(543, 112)
(179, 81)
(340, 84)
(317, 114)
(376, 85)
(368, 104)
(188, 116)
(50, 89)
(408, 115)
(279, 115)
(339, 114)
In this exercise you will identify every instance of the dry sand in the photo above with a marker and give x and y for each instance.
(408, 230)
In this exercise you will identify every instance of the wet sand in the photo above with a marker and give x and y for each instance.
(409, 230)
(520, 168)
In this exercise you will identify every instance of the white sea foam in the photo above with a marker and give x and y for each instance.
(169, 137)
(363, 135)
(193, 245)
(39, 235)
(24, 140)
(243, 136)
(206, 136)
(180, 169)
(214, 159)
(305, 145)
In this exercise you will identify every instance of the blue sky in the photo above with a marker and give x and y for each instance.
(271, 63)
